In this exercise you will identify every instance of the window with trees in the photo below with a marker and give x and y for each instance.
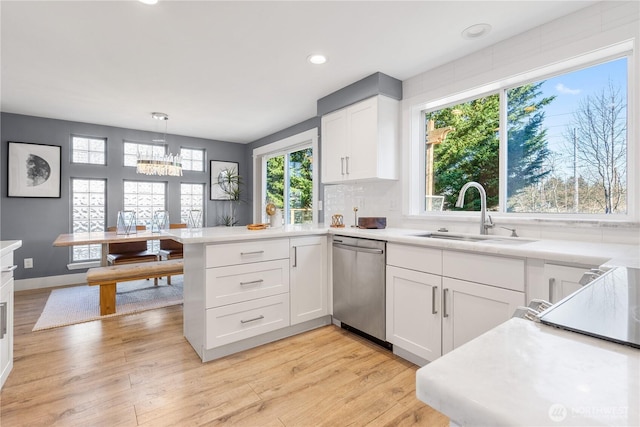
(289, 181)
(563, 141)
(88, 207)
(88, 150)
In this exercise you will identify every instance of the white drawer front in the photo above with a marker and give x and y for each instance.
(7, 267)
(237, 283)
(236, 322)
(244, 252)
(503, 272)
(417, 258)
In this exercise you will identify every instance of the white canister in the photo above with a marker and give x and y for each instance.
(275, 220)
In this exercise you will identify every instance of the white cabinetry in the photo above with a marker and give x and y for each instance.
(237, 295)
(438, 300)
(6, 317)
(562, 280)
(308, 280)
(414, 321)
(360, 142)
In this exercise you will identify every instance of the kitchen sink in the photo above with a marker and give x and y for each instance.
(476, 238)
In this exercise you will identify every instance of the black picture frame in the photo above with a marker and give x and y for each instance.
(34, 170)
(215, 169)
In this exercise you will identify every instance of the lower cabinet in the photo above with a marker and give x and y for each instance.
(562, 280)
(430, 314)
(308, 288)
(6, 318)
(470, 309)
(414, 319)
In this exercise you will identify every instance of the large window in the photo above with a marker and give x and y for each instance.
(192, 204)
(551, 146)
(88, 150)
(88, 197)
(145, 198)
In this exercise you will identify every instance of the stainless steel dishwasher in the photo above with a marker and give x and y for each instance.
(359, 286)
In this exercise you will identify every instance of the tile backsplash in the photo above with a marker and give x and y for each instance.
(384, 198)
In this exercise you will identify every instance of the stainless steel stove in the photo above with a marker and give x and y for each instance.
(607, 308)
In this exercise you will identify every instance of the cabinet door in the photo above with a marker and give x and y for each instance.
(471, 309)
(308, 275)
(6, 342)
(334, 146)
(413, 312)
(362, 135)
(562, 280)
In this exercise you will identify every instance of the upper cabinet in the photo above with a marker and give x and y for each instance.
(361, 141)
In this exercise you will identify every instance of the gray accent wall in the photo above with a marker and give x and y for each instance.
(38, 221)
(375, 84)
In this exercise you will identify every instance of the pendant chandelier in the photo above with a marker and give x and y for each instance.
(159, 165)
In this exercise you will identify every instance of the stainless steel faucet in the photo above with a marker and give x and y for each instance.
(484, 226)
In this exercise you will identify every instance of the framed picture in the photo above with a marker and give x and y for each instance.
(225, 180)
(33, 170)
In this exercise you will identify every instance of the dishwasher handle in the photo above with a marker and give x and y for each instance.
(358, 248)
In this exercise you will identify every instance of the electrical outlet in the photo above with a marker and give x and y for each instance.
(28, 263)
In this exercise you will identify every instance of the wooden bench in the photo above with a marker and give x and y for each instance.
(107, 277)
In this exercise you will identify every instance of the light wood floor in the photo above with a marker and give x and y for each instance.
(138, 370)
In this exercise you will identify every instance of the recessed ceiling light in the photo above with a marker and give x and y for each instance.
(148, 1)
(317, 59)
(476, 31)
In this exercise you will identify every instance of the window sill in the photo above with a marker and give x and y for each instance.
(83, 265)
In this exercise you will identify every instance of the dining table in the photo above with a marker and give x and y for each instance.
(106, 237)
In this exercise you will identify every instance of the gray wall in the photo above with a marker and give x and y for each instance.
(37, 222)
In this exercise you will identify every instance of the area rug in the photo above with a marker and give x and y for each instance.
(78, 304)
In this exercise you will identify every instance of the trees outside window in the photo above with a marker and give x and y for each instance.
(565, 144)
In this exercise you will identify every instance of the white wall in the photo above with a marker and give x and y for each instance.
(601, 25)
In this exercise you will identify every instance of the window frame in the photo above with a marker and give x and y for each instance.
(204, 202)
(286, 145)
(138, 143)
(414, 162)
(204, 159)
(72, 150)
(71, 193)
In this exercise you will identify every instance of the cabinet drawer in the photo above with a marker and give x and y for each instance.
(506, 273)
(243, 252)
(7, 267)
(417, 258)
(237, 283)
(236, 322)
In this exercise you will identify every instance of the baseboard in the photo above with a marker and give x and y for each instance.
(50, 281)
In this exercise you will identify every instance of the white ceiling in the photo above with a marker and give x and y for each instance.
(231, 71)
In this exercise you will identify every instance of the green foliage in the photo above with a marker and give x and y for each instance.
(472, 151)
(300, 180)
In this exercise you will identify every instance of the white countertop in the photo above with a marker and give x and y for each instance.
(7, 246)
(573, 252)
(526, 373)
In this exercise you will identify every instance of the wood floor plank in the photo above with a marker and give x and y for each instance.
(138, 370)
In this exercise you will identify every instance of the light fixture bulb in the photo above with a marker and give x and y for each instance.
(317, 59)
(160, 116)
(148, 1)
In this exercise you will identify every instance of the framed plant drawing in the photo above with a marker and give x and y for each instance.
(33, 170)
(225, 180)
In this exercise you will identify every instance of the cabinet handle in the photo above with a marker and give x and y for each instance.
(433, 300)
(9, 268)
(252, 320)
(253, 282)
(347, 165)
(3, 319)
(444, 303)
(552, 284)
(251, 253)
(295, 256)
(342, 165)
